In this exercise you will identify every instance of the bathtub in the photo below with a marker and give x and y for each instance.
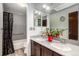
(18, 44)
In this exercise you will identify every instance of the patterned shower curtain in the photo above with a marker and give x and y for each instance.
(7, 33)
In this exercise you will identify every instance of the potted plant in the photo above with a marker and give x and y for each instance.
(51, 34)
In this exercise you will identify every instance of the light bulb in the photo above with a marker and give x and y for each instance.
(47, 8)
(39, 12)
(44, 6)
(36, 12)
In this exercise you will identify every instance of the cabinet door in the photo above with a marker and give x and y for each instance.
(46, 52)
(32, 48)
(35, 50)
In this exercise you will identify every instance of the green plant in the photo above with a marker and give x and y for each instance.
(54, 32)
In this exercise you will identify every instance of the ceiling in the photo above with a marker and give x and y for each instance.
(53, 6)
(14, 7)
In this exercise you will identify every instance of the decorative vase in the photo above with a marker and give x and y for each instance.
(50, 38)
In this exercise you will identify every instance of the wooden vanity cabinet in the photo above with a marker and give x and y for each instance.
(35, 49)
(39, 50)
(46, 52)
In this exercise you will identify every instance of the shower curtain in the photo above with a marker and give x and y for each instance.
(7, 33)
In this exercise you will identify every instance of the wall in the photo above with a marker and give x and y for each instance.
(19, 31)
(55, 19)
(1, 26)
(38, 29)
(29, 25)
(19, 23)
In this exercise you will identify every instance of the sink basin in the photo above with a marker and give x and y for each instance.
(61, 46)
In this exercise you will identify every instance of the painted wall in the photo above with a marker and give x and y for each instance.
(19, 24)
(19, 27)
(29, 25)
(56, 23)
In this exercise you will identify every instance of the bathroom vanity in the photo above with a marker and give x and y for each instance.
(40, 50)
(41, 47)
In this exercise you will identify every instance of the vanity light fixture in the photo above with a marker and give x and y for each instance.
(46, 7)
(37, 12)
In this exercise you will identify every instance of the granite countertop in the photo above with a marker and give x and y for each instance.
(61, 48)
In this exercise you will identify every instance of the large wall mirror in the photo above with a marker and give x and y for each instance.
(44, 21)
(40, 20)
(37, 20)
(73, 25)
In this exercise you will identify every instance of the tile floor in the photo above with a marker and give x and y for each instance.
(19, 52)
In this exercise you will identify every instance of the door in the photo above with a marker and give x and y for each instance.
(73, 25)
